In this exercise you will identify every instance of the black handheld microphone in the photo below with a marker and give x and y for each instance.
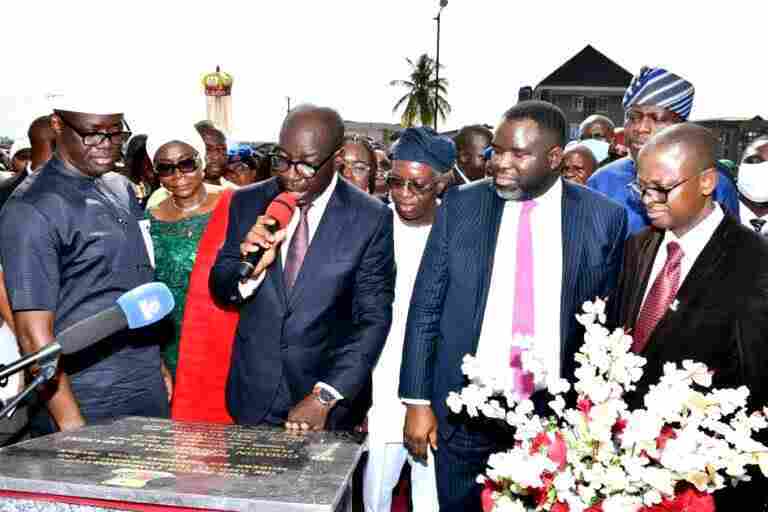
(144, 305)
(280, 209)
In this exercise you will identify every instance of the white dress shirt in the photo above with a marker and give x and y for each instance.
(314, 215)
(692, 243)
(547, 237)
(495, 341)
(387, 415)
(746, 215)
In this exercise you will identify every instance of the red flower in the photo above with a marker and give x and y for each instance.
(540, 494)
(557, 451)
(688, 499)
(667, 433)
(486, 495)
(560, 507)
(584, 405)
(619, 426)
(597, 507)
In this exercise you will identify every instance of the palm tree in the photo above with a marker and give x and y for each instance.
(419, 101)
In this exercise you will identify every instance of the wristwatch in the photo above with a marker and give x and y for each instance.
(325, 397)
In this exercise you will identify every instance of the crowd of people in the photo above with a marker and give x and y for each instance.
(398, 260)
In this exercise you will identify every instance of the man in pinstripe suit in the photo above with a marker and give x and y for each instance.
(525, 241)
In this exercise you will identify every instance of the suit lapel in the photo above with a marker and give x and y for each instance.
(322, 246)
(574, 220)
(275, 271)
(490, 212)
(699, 278)
(647, 255)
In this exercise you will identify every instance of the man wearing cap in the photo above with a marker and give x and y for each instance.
(655, 99)
(422, 162)
(507, 260)
(78, 224)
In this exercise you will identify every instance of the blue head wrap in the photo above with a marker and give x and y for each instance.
(239, 150)
(425, 146)
(659, 88)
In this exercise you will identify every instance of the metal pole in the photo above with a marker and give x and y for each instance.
(288, 98)
(437, 66)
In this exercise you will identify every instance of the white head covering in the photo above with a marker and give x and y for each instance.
(87, 100)
(20, 143)
(186, 134)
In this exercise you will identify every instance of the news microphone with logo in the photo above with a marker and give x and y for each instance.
(281, 209)
(144, 305)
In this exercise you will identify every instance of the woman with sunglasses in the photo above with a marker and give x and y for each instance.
(178, 222)
(357, 162)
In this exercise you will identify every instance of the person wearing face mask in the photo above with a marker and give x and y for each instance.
(654, 100)
(753, 186)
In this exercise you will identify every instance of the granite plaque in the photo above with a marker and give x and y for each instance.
(195, 465)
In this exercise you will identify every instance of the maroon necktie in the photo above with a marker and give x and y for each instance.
(659, 298)
(298, 248)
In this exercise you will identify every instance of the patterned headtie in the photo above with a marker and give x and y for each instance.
(298, 248)
(522, 316)
(758, 224)
(660, 297)
(659, 88)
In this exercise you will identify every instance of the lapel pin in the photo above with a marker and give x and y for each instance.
(674, 305)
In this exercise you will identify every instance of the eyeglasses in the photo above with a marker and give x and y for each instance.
(397, 183)
(98, 138)
(186, 166)
(659, 194)
(358, 169)
(282, 163)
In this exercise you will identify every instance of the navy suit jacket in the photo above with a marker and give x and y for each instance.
(331, 326)
(449, 297)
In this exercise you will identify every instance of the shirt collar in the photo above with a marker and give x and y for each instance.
(745, 214)
(552, 198)
(321, 201)
(693, 242)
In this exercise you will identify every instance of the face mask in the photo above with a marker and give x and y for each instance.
(753, 181)
(599, 148)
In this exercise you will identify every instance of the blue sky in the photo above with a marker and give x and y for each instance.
(343, 53)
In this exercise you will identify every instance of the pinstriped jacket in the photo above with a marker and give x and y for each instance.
(449, 297)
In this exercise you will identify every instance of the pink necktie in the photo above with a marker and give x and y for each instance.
(660, 297)
(522, 316)
(298, 248)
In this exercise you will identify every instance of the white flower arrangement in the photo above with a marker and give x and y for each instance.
(687, 442)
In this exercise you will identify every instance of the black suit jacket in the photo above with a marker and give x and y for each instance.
(449, 297)
(721, 318)
(333, 324)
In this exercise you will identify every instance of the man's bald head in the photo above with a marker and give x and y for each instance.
(578, 163)
(326, 124)
(42, 138)
(677, 174)
(694, 145)
(597, 127)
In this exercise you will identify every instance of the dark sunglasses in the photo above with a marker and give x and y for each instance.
(398, 183)
(186, 166)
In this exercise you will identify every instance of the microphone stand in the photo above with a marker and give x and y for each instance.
(47, 358)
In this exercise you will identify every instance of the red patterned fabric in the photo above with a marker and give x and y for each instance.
(207, 333)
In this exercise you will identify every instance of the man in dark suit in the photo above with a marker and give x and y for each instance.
(317, 309)
(695, 284)
(513, 256)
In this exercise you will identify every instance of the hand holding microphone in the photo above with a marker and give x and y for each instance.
(259, 248)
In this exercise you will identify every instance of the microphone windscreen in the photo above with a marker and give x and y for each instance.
(146, 304)
(281, 209)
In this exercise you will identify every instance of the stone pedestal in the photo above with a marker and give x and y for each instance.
(197, 466)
